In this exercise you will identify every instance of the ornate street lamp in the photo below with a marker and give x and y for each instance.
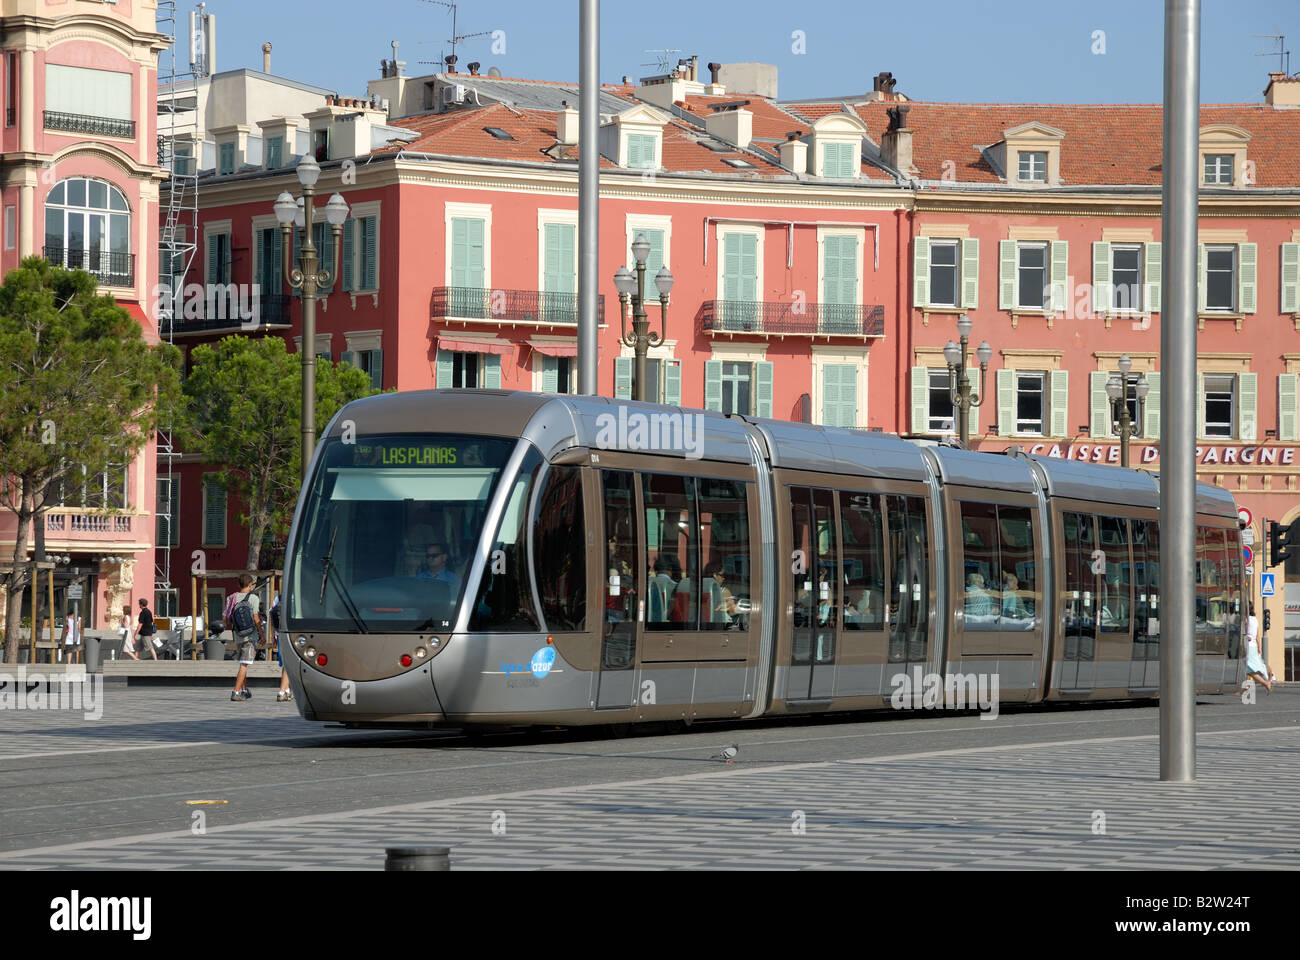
(959, 388)
(631, 293)
(1121, 419)
(308, 278)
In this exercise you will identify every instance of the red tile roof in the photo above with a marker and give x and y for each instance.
(1105, 144)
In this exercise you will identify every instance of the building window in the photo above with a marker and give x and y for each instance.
(86, 100)
(1218, 169)
(1031, 404)
(88, 226)
(166, 603)
(168, 532)
(360, 261)
(1033, 166)
(1031, 275)
(370, 362)
(104, 490)
(943, 273)
(465, 371)
(225, 159)
(214, 513)
(274, 152)
(11, 91)
(1126, 276)
(737, 379)
(1220, 405)
(941, 416)
(837, 160)
(641, 151)
(1221, 277)
(557, 374)
(11, 226)
(320, 144)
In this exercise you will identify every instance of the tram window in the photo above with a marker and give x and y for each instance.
(560, 551)
(618, 646)
(724, 545)
(980, 565)
(1217, 598)
(1019, 572)
(909, 567)
(505, 596)
(1232, 593)
(1202, 588)
(671, 557)
(862, 533)
(1137, 576)
(1114, 602)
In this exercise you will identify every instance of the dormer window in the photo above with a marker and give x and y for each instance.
(634, 138)
(837, 160)
(837, 146)
(641, 151)
(1218, 169)
(1033, 166)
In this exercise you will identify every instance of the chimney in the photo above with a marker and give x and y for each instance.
(1282, 91)
(397, 64)
(266, 57)
(734, 125)
(566, 124)
(896, 144)
(473, 68)
(695, 67)
(714, 87)
(450, 61)
(882, 86)
(794, 153)
(713, 72)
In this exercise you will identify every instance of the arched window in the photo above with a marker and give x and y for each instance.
(88, 225)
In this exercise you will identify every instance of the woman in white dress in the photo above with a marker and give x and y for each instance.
(128, 647)
(1256, 668)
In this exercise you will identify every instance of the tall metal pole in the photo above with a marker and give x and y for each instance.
(588, 190)
(1178, 392)
(640, 328)
(309, 267)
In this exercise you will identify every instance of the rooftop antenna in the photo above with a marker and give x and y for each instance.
(1282, 53)
(664, 61)
(455, 37)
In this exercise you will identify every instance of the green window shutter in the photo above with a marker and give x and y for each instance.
(227, 164)
(1006, 274)
(1151, 424)
(1288, 406)
(763, 388)
(444, 365)
(839, 271)
(1101, 290)
(1006, 402)
(1059, 402)
(640, 151)
(214, 258)
(973, 414)
(920, 400)
(467, 253)
(214, 512)
(550, 374)
(324, 239)
(259, 257)
(839, 395)
(970, 273)
(1151, 276)
(712, 384)
(370, 249)
(921, 272)
(1291, 278)
(559, 272)
(491, 371)
(623, 378)
(1200, 277)
(274, 150)
(673, 383)
(349, 227)
(740, 280)
(654, 260)
(350, 357)
(1247, 273)
(1060, 275)
(377, 369)
(1098, 405)
(1247, 418)
(1200, 405)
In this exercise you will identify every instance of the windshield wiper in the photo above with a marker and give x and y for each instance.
(327, 560)
(328, 563)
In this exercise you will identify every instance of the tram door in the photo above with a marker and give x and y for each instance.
(909, 585)
(1079, 601)
(622, 550)
(1144, 669)
(814, 569)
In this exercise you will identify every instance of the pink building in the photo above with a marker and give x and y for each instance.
(80, 187)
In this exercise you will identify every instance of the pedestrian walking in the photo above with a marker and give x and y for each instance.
(285, 694)
(72, 638)
(246, 624)
(145, 631)
(1256, 668)
(128, 647)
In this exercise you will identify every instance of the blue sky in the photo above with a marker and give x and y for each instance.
(937, 49)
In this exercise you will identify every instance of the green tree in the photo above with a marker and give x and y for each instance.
(80, 388)
(245, 414)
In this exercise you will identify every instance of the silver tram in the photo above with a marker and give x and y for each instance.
(493, 557)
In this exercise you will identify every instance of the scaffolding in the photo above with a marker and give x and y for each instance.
(180, 148)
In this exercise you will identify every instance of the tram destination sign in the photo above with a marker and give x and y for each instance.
(408, 452)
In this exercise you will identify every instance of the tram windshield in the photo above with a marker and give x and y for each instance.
(389, 529)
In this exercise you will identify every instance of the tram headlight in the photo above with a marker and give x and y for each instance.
(310, 652)
(301, 642)
(421, 653)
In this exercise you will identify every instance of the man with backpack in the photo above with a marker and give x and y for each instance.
(242, 619)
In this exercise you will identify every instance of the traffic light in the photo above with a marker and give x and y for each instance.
(1268, 620)
(1280, 541)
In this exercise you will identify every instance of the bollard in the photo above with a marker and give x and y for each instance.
(417, 858)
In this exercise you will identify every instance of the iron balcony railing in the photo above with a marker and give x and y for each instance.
(272, 310)
(510, 306)
(95, 126)
(111, 269)
(784, 317)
